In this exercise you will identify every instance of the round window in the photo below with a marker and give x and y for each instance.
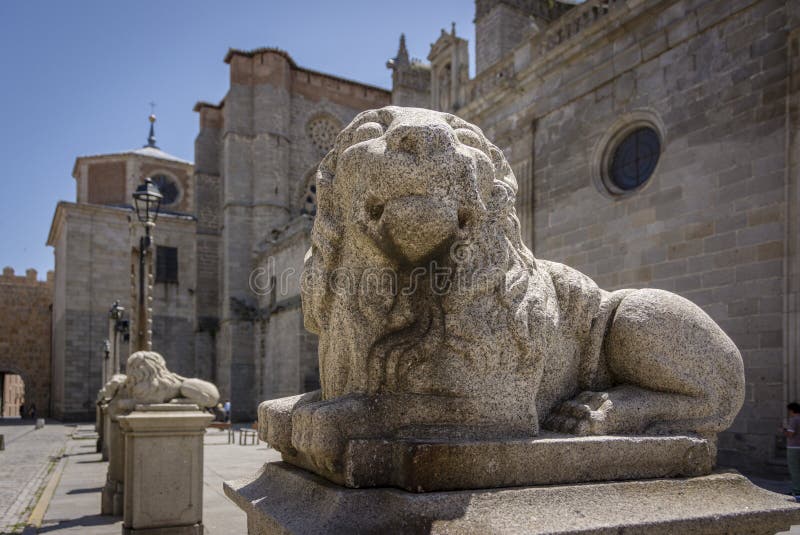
(167, 187)
(635, 159)
(323, 131)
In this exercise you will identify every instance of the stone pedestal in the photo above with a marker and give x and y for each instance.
(431, 465)
(106, 419)
(112, 495)
(285, 499)
(164, 469)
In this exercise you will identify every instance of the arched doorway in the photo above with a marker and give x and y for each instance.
(12, 395)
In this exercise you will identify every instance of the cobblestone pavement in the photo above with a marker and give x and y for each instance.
(28, 457)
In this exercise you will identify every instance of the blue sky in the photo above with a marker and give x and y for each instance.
(78, 77)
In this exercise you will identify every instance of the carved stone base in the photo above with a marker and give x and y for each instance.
(423, 466)
(164, 469)
(285, 499)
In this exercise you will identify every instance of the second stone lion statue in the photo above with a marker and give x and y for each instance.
(435, 321)
(149, 381)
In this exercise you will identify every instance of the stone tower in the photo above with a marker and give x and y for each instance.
(257, 153)
(449, 57)
(501, 25)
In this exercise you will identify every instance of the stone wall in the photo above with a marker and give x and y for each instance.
(25, 311)
(711, 223)
(287, 350)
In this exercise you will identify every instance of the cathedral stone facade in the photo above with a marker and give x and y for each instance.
(655, 144)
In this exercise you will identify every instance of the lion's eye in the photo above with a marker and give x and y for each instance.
(468, 137)
(374, 208)
(367, 131)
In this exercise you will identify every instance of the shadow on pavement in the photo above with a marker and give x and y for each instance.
(84, 491)
(86, 520)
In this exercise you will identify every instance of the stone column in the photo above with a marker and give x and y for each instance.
(164, 469)
(112, 496)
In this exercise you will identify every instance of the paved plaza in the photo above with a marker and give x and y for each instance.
(51, 479)
(65, 455)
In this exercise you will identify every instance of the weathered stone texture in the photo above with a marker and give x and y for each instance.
(25, 313)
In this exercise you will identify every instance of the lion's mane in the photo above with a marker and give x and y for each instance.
(149, 380)
(492, 270)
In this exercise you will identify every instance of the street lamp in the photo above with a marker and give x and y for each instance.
(147, 200)
(116, 327)
(107, 354)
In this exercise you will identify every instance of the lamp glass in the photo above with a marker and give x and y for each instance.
(147, 199)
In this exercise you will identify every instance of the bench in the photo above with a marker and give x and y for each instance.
(224, 426)
(248, 434)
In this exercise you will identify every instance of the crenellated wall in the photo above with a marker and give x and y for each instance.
(25, 344)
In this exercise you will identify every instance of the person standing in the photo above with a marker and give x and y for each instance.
(227, 408)
(792, 434)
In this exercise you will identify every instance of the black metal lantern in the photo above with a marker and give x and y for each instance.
(116, 311)
(147, 198)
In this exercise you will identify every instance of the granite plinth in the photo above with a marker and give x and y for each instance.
(423, 466)
(164, 469)
(282, 498)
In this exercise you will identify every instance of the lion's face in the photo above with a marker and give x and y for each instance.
(148, 378)
(401, 189)
(413, 181)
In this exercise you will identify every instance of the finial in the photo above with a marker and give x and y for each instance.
(151, 139)
(453, 29)
(401, 60)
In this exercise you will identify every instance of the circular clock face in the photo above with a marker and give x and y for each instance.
(167, 187)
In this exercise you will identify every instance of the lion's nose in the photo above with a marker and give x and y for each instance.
(417, 227)
(420, 140)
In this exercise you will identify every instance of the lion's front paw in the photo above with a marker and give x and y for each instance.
(585, 414)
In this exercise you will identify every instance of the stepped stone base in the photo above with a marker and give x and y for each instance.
(285, 499)
(430, 465)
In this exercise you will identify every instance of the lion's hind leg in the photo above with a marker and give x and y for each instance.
(676, 371)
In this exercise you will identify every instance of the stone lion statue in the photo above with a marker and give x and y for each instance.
(110, 389)
(149, 381)
(436, 321)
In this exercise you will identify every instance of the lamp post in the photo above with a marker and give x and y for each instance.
(147, 200)
(106, 354)
(116, 327)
